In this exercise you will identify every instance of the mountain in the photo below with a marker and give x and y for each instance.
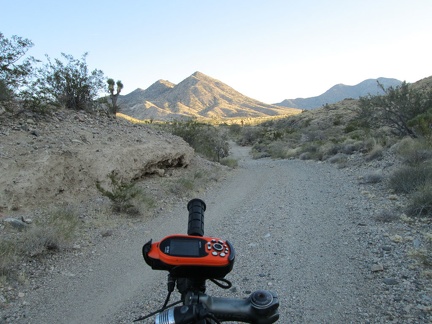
(196, 96)
(340, 92)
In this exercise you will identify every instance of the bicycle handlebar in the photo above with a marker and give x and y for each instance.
(260, 308)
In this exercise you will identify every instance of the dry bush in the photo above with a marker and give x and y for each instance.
(278, 149)
(8, 255)
(189, 183)
(374, 177)
(369, 144)
(376, 153)
(250, 135)
(53, 233)
(387, 216)
(311, 151)
(329, 149)
(414, 151)
(421, 202)
(339, 158)
(408, 179)
(229, 162)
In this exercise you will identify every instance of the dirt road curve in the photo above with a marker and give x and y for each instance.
(295, 227)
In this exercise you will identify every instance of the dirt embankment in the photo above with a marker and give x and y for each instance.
(55, 159)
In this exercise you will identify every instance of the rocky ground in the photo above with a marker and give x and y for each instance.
(57, 161)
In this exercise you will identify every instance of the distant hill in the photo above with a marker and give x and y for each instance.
(340, 92)
(196, 96)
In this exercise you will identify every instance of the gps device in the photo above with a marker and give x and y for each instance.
(191, 256)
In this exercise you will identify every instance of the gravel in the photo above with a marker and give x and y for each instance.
(306, 230)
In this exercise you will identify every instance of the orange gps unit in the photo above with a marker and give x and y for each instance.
(191, 256)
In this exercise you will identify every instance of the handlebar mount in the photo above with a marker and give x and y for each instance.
(191, 260)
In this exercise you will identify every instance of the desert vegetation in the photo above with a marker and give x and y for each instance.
(43, 86)
(399, 121)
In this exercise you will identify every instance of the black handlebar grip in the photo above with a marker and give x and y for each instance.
(196, 209)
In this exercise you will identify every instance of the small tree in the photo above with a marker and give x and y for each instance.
(121, 195)
(114, 108)
(395, 109)
(14, 69)
(69, 84)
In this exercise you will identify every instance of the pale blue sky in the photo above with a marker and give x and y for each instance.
(269, 50)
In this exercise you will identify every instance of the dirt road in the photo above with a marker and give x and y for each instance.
(295, 226)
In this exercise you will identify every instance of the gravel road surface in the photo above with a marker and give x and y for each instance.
(296, 227)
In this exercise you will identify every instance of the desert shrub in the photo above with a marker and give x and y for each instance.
(67, 82)
(207, 140)
(329, 149)
(396, 109)
(337, 120)
(421, 124)
(122, 194)
(229, 162)
(348, 148)
(15, 68)
(387, 216)
(8, 255)
(414, 151)
(277, 149)
(408, 179)
(338, 158)
(235, 129)
(250, 135)
(421, 202)
(369, 144)
(351, 127)
(311, 151)
(52, 233)
(376, 153)
(374, 177)
(305, 156)
(184, 185)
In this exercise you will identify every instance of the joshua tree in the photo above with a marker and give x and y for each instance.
(114, 109)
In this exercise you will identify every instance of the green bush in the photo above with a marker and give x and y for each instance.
(235, 129)
(207, 140)
(232, 163)
(397, 109)
(251, 135)
(122, 194)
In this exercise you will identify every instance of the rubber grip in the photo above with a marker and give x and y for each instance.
(196, 208)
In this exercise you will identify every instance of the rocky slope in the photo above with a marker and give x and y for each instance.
(59, 158)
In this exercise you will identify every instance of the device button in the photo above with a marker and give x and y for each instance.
(209, 246)
(214, 253)
(218, 246)
(222, 254)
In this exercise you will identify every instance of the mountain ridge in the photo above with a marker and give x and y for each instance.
(340, 92)
(197, 96)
